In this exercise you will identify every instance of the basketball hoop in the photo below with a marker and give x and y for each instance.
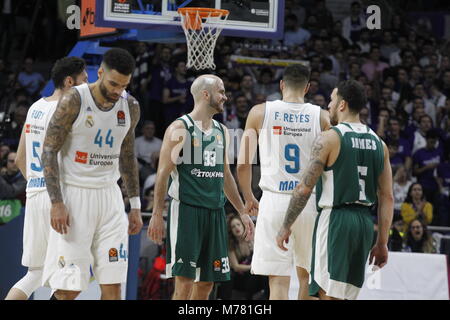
(202, 27)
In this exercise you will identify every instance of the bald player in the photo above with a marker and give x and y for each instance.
(193, 154)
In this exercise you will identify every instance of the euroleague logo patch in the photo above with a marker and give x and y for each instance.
(113, 256)
(217, 265)
(121, 118)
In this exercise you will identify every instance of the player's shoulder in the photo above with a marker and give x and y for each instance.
(258, 110)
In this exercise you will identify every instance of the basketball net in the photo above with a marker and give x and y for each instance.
(202, 27)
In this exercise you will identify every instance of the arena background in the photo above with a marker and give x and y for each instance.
(404, 65)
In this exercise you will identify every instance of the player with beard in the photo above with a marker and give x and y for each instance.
(92, 132)
(193, 154)
(350, 165)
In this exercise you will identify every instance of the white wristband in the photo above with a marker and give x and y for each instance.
(135, 203)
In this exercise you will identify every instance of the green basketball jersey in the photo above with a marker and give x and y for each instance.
(198, 179)
(353, 178)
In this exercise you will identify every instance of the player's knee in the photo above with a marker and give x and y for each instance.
(30, 282)
(204, 286)
(111, 291)
(66, 295)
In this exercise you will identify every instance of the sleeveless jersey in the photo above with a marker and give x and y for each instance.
(38, 118)
(353, 178)
(285, 143)
(90, 154)
(199, 178)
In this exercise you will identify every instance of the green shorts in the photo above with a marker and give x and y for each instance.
(197, 245)
(342, 241)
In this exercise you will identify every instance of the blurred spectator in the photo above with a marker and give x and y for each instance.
(6, 27)
(33, 82)
(12, 136)
(364, 115)
(396, 234)
(373, 68)
(161, 73)
(420, 96)
(141, 74)
(240, 253)
(320, 101)
(419, 139)
(327, 81)
(446, 83)
(425, 161)
(4, 151)
(294, 34)
(146, 150)
(177, 98)
(395, 157)
(402, 181)
(418, 239)
(388, 46)
(404, 147)
(324, 16)
(12, 183)
(242, 110)
(266, 84)
(443, 180)
(416, 206)
(353, 24)
(246, 87)
(364, 41)
(395, 57)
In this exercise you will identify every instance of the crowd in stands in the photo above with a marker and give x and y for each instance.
(405, 68)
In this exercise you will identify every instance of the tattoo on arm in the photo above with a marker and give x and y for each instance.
(128, 163)
(308, 180)
(64, 116)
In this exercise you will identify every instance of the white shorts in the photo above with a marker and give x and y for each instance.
(97, 236)
(268, 258)
(36, 229)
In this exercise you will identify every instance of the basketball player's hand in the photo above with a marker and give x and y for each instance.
(282, 237)
(252, 206)
(134, 221)
(379, 255)
(59, 217)
(249, 227)
(155, 229)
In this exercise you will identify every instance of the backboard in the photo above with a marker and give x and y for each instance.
(248, 18)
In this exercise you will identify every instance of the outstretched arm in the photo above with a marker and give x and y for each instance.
(232, 193)
(129, 169)
(247, 152)
(319, 157)
(64, 116)
(385, 213)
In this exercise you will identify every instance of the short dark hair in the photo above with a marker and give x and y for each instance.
(66, 67)
(353, 93)
(120, 60)
(432, 134)
(296, 76)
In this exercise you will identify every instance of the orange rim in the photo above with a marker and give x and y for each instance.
(196, 15)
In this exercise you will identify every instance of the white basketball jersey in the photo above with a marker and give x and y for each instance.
(38, 117)
(90, 154)
(285, 142)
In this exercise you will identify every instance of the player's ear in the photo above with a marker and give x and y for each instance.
(100, 72)
(68, 82)
(307, 88)
(281, 85)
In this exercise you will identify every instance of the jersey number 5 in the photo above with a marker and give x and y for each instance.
(34, 166)
(362, 171)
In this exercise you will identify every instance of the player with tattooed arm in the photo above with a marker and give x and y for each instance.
(92, 132)
(351, 167)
